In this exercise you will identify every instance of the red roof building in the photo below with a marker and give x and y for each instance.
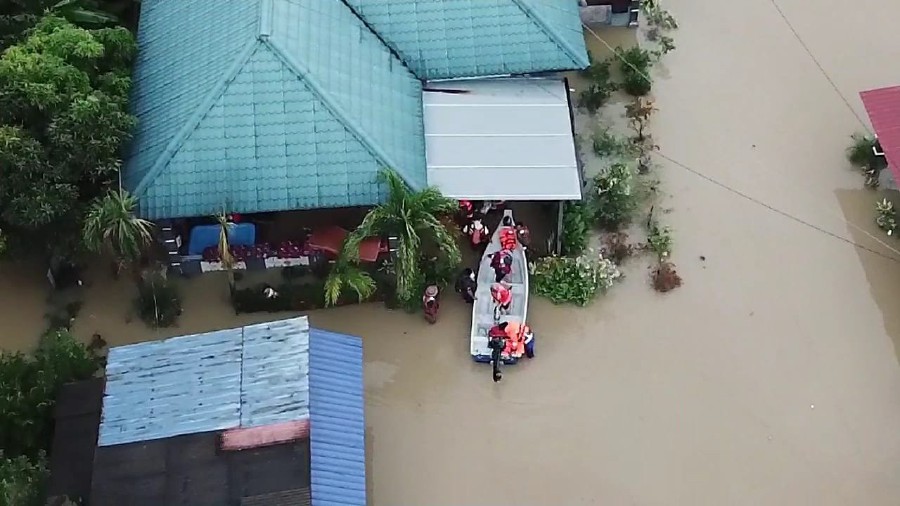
(883, 107)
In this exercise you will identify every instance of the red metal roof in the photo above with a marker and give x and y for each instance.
(883, 107)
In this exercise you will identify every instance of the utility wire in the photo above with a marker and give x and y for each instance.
(818, 64)
(755, 200)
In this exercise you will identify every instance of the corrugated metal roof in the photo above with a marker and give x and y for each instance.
(337, 420)
(245, 377)
(501, 139)
(883, 106)
(297, 105)
(443, 39)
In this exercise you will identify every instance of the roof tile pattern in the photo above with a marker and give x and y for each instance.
(306, 114)
(267, 144)
(444, 39)
(176, 68)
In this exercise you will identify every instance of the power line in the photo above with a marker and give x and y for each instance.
(818, 64)
(753, 199)
(785, 213)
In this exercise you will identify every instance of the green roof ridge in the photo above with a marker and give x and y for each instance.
(194, 121)
(560, 41)
(305, 76)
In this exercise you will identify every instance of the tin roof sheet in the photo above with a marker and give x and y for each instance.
(244, 377)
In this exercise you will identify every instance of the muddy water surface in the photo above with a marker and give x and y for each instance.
(770, 377)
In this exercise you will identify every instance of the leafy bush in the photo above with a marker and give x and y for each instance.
(659, 239)
(158, 302)
(600, 86)
(886, 216)
(22, 480)
(607, 145)
(861, 153)
(635, 65)
(28, 389)
(577, 218)
(615, 200)
(573, 280)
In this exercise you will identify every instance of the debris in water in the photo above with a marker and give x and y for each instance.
(812, 406)
(702, 258)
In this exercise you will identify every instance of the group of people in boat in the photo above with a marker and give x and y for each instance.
(505, 339)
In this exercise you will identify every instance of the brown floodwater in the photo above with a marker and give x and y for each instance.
(770, 377)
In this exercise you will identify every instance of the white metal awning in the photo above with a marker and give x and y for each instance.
(501, 139)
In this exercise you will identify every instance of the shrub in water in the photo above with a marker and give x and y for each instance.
(600, 86)
(577, 218)
(635, 66)
(615, 200)
(28, 389)
(573, 280)
(158, 302)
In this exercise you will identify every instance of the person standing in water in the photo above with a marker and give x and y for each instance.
(497, 343)
(466, 285)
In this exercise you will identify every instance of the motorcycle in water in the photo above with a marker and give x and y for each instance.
(430, 304)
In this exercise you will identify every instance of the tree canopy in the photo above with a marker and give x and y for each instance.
(63, 119)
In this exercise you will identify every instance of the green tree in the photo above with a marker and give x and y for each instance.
(415, 219)
(110, 225)
(63, 120)
(18, 16)
(21, 480)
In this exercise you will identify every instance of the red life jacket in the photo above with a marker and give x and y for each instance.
(508, 238)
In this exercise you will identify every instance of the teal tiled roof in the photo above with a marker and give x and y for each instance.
(285, 104)
(444, 39)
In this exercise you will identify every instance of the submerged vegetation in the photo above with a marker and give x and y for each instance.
(573, 280)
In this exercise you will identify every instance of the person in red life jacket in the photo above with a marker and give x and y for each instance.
(497, 343)
(502, 296)
(478, 233)
(501, 262)
(430, 304)
(508, 238)
(523, 234)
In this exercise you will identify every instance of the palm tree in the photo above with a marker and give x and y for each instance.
(344, 275)
(111, 225)
(415, 219)
(225, 255)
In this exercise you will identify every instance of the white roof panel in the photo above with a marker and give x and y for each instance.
(501, 139)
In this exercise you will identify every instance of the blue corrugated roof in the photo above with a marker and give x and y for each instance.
(246, 377)
(443, 39)
(337, 420)
(267, 105)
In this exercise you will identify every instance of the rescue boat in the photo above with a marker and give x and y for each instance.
(483, 309)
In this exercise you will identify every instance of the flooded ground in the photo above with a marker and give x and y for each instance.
(770, 377)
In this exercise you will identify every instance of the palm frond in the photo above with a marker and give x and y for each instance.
(344, 276)
(224, 244)
(110, 222)
(407, 267)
